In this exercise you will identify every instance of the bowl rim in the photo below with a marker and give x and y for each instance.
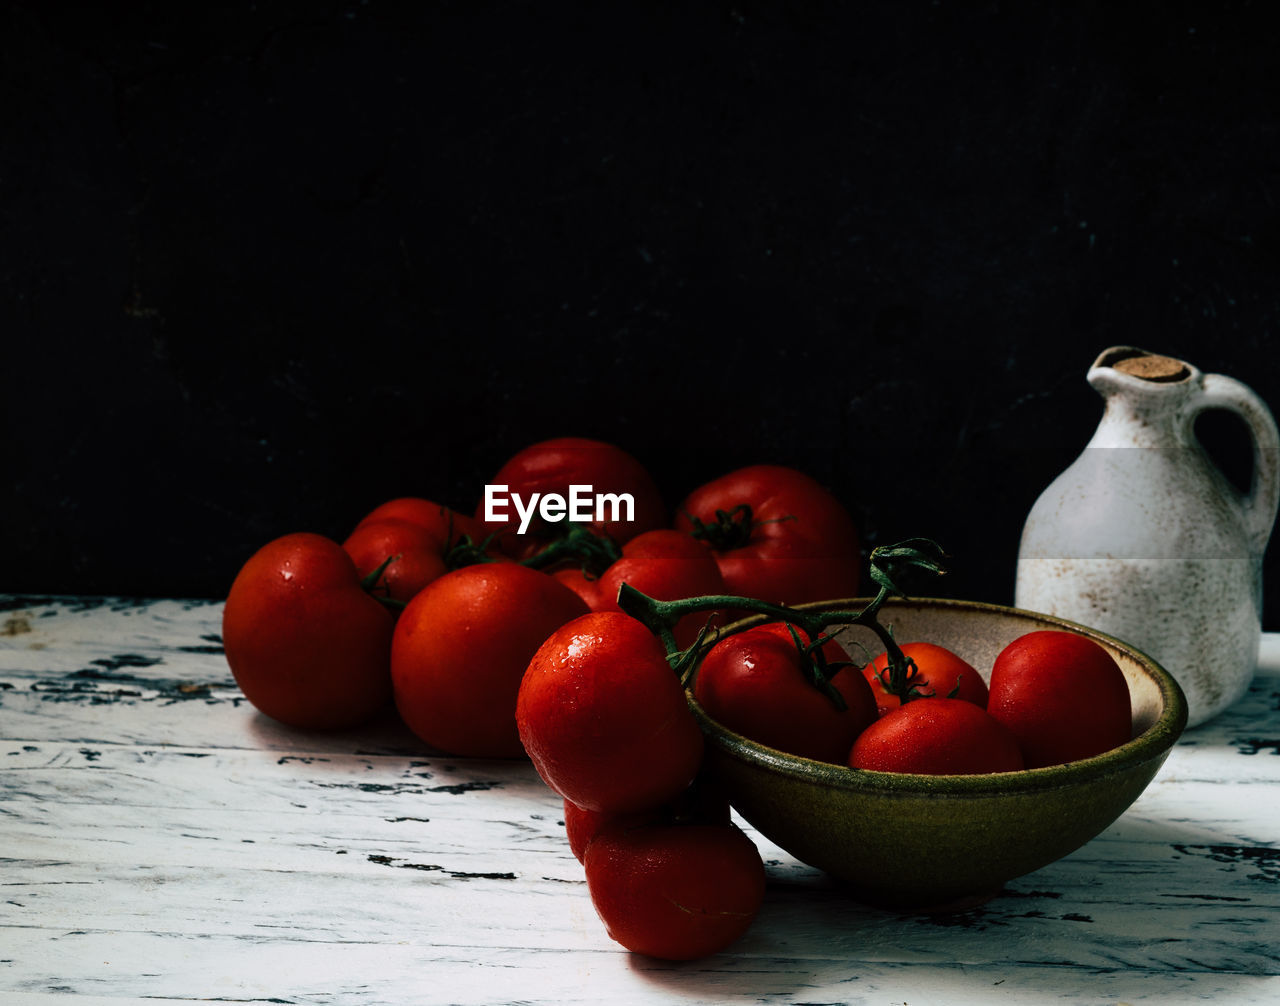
(1154, 742)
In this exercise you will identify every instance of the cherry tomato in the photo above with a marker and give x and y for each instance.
(553, 466)
(782, 537)
(664, 564)
(753, 682)
(1062, 695)
(461, 647)
(306, 643)
(418, 536)
(939, 672)
(677, 892)
(604, 719)
(937, 737)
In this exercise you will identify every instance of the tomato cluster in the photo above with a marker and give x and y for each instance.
(441, 611)
(496, 637)
(573, 645)
(1054, 697)
(607, 726)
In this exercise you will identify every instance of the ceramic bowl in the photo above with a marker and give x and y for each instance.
(947, 842)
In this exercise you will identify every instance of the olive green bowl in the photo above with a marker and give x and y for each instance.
(946, 842)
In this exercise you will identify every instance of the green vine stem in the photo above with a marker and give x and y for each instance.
(594, 553)
(888, 565)
(465, 552)
(372, 585)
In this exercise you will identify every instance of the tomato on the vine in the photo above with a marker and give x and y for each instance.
(677, 891)
(306, 642)
(755, 683)
(460, 650)
(603, 717)
(937, 737)
(1062, 695)
(664, 564)
(938, 673)
(777, 534)
(554, 466)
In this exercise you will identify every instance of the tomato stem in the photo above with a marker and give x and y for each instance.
(817, 671)
(731, 529)
(888, 564)
(381, 592)
(465, 552)
(593, 552)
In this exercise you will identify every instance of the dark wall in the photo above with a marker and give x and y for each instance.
(264, 267)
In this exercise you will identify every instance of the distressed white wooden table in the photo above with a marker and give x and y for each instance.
(161, 841)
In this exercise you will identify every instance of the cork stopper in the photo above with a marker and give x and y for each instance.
(1153, 368)
(1146, 366)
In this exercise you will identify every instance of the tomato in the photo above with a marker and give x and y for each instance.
(581, 826)
(444, 523)
(677, 892)
(604, 719)
(461, 647)
(1062, 695)
(553, 466)
(417, 556)
(937, 737)
(418, 537)
(664, 564)
(306, 643)
(939, 672)
(782, 538)
(700, 804)
(753, 682)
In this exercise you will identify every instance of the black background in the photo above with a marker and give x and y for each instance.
(266, 265)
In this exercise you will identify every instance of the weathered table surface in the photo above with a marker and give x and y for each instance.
(162, 841)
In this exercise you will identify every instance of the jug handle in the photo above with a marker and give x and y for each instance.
(1259, 504)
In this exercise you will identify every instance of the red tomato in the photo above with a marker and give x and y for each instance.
(677, 892)
(461, 647)
(753, 682)
(666, 565)
(796, 544)
(938, 673)
(552, 466)
(417, 556)
(1062, 695)
(700, 804)
(937, 737)
(604, 719)
(306, 644)
(581, 826)
(416, 535)
(445, 524)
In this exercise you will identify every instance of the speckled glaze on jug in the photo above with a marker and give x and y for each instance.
(1143, 537)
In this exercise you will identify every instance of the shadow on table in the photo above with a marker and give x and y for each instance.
(385, 735)
(1151, 909)
(853, 982)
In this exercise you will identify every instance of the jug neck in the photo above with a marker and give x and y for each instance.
(1146, 397)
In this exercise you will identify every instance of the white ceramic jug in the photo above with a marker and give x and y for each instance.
(1143, 537)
